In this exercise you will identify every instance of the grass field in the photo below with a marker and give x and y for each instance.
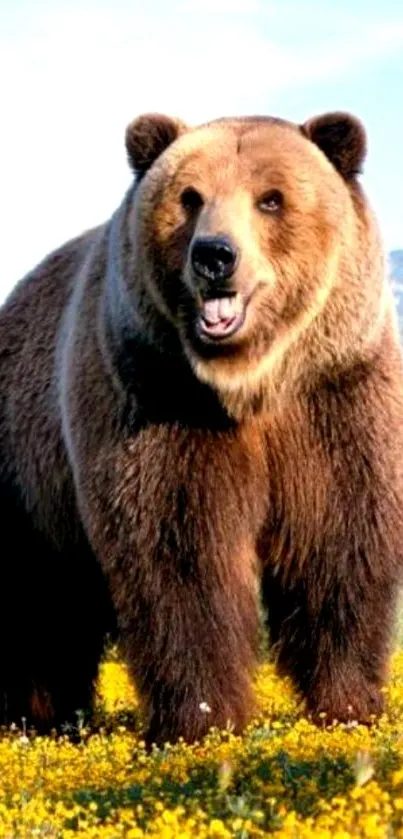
(283, 778)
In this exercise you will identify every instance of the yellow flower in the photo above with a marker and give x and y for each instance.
(283, 778)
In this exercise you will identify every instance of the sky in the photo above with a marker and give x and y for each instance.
(75, 72)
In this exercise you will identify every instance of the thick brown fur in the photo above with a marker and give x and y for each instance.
(156, 477)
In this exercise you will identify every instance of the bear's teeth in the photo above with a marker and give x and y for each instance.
(226, 308)
(210, 311)
(221, 308)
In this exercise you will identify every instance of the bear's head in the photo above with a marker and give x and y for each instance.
(254, 239)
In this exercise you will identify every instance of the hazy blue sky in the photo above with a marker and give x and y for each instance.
(74, 73)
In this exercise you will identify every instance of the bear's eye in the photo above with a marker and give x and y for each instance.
(271, 202)
(191, 200)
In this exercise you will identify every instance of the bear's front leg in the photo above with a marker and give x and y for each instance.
(334, 555)
(190, 639)
(333, 641)
(198, 649)
(179, 554)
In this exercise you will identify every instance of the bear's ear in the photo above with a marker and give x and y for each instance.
(147, 137)
(342, 139)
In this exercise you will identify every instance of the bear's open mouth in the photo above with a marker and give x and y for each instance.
(221, 317)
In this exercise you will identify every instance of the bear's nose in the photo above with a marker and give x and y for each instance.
(213, 258)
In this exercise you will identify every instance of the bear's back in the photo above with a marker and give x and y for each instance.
(31, 444)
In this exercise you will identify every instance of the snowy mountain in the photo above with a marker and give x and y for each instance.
(396, 275)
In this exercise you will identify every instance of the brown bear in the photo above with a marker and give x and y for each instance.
(202, 400)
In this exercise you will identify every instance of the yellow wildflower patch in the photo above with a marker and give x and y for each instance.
(284, 778)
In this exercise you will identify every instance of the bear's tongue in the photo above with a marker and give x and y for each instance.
(219, 313)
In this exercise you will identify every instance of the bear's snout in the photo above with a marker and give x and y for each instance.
(221, 309)
(214, 259)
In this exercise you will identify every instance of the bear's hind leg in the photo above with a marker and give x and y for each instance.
(54, 615)
(77, 615)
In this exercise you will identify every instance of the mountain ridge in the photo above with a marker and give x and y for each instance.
(395, 270)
